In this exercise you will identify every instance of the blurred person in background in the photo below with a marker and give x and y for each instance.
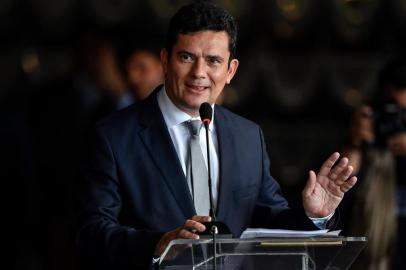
(99, 84)
(377, 150)
(139, 62)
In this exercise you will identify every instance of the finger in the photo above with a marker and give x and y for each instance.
(193, 225)
(186, 234)
(328, 164)
(201, 218)
(348, 184)
(336, 170)
(310, 185)
(345, 174)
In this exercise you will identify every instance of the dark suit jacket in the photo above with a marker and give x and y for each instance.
(135, 189)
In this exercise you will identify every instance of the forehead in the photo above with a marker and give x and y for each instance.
(215, 41)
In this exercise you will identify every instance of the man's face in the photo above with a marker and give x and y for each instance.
(198, 69)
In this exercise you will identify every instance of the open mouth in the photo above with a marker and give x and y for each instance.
(197, 88)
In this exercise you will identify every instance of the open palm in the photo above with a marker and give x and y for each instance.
(324, 191)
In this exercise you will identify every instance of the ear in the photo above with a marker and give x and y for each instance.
(164, 59)
(232, 69)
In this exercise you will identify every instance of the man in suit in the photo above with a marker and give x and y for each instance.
(138, 196)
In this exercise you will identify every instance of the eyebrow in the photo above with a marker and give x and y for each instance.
(185, 52)
(212, 56)
(217, 57)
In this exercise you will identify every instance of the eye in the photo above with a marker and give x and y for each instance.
(185, 57)
(214, 60)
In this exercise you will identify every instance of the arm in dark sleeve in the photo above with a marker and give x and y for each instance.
(100, 239)
(272, 210)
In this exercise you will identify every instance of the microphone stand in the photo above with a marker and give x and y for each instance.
(222, 228)
(214, 232)
(215, 227)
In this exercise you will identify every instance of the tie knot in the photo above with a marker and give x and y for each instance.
(194, 127)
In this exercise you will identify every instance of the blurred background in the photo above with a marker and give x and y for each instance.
(304, 66)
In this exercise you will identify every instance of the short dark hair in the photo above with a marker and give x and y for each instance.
(202, 16)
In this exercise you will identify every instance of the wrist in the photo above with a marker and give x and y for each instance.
(160, 246)
(315, 217)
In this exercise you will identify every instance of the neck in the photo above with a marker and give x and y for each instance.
(193, 113)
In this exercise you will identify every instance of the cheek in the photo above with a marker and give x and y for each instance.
(219, 76)
(134, 76)
(177, 73)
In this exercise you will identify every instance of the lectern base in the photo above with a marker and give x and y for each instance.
(223, 230)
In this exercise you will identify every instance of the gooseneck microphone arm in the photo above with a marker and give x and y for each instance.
(212, 211)
(206, 114)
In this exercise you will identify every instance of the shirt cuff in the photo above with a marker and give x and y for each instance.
(321, 223)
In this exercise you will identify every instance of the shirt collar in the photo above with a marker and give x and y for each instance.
(173, 116)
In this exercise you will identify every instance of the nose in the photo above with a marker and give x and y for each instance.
(199, 69)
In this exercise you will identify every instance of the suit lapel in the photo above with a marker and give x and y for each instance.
(157, 140)
(227, 155)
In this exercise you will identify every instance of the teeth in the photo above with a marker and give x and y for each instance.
(198, 87)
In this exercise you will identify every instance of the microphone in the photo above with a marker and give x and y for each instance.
(206, 115)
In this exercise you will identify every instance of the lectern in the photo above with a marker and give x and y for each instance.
(302, 253)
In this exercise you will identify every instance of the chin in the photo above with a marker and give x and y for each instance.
(195, 102)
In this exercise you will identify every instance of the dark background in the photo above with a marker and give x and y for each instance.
(304, 66)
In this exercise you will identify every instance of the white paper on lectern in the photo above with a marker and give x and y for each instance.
(258, 232)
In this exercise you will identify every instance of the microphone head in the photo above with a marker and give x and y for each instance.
(206, 113)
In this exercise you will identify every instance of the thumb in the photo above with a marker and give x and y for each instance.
(310, 185)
